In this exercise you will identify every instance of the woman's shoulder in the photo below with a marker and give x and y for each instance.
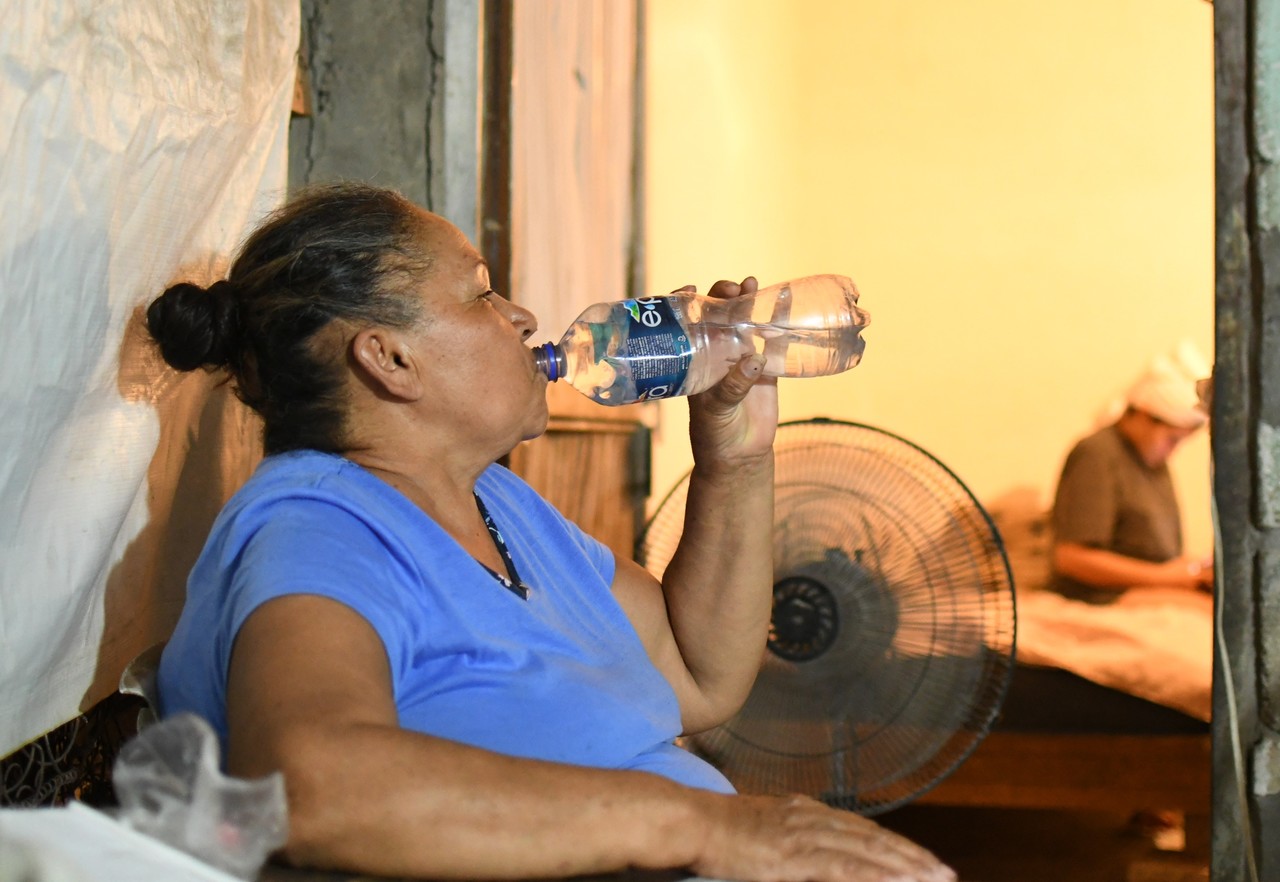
(503, 488)
(313, 475)
(514, 501)
(301, 468)
(499, 478)
(306, 517)
(317, 492)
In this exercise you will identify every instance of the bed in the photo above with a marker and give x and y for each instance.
(1108, 707)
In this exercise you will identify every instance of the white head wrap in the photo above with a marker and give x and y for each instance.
(1167, 388)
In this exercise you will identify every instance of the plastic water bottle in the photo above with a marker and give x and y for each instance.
(662, 347)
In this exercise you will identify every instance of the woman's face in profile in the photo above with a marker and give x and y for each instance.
(482, 380)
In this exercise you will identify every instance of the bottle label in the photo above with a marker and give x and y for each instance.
(658, 351)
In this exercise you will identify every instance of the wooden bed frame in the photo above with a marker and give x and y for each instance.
(1033, 767)
(1082, 771)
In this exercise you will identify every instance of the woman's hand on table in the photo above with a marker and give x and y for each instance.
(797, 838)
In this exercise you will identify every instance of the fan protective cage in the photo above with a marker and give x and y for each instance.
(893, 633)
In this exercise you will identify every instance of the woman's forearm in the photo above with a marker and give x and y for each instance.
(381, 800)
(377, 800)
(309, 693)
(718, 584)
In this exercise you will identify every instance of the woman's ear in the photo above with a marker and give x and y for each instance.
(387, 363)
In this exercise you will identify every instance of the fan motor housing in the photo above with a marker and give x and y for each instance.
(804, 623)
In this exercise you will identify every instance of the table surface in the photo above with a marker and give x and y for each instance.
(277, 873)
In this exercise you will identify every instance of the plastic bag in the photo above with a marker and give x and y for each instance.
(170, 787)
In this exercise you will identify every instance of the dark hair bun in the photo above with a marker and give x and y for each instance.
(195, 326)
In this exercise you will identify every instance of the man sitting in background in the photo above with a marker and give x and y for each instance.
(1116, 523)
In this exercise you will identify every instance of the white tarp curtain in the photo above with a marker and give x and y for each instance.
(139, 139)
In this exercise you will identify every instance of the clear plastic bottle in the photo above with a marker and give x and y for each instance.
(662, 347)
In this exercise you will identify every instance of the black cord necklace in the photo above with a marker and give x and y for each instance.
(512, 581)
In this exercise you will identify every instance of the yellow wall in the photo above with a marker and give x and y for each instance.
(1022, 191)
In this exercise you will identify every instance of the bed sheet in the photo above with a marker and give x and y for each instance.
(1154, 643)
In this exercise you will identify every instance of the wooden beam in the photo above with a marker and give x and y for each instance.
(1087, 772)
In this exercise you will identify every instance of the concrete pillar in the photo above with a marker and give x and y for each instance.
(394, 99)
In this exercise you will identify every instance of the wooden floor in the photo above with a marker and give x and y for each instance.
(1042, 845)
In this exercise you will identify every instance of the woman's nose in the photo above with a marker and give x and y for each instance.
(523, 319)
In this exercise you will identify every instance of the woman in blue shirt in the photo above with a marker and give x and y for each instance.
(455, 680)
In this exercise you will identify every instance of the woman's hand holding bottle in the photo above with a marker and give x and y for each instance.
(734, 421)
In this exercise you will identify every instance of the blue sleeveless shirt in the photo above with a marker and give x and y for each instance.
(561, 675)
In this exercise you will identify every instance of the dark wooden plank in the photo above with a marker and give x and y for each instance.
(1102, 772)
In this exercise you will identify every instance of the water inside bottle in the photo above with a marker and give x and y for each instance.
(596, 372)
(607, 381)
(791, 352)
(805, 328)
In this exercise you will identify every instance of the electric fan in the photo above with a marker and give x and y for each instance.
(892, 636)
